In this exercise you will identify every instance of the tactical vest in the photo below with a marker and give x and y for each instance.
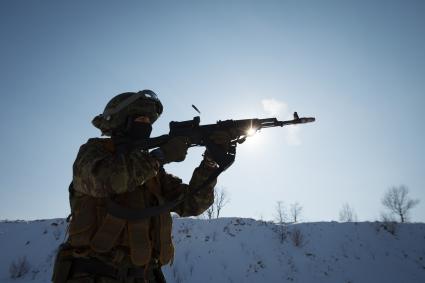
(93, 228)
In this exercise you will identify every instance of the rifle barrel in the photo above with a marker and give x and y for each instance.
(302, 120)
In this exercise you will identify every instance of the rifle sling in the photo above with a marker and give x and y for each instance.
(126, 213)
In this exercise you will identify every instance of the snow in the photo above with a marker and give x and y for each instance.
(247, 250)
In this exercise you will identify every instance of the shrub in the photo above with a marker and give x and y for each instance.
(19, 268)
(297, 237)
(388, 224)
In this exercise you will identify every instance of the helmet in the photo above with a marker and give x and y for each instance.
(127, 104)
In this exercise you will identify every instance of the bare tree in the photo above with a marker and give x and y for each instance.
(347, 214)
(281, 217)
(221, 198)
(210, 211)
(295, 211)
(280, 213)
(398, 203)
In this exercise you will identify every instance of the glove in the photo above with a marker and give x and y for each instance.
(218, 149)
(175, 150)
(221, 138)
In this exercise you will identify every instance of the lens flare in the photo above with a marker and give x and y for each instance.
(251, 132)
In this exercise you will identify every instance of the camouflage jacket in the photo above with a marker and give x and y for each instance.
(98, 172)
(136, 180)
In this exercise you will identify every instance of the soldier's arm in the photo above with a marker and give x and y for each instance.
(172, 188)
(99, 172)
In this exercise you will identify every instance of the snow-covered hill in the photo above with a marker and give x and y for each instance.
(246, 250)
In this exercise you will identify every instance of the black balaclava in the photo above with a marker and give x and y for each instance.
(138, 130)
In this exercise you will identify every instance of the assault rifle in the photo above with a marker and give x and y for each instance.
(198, 135)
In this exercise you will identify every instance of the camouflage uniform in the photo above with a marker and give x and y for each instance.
(135, 180)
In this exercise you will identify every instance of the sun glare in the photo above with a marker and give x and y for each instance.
(252, 140)
(251, 132)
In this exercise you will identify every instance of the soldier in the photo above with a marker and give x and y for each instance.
(110, 178)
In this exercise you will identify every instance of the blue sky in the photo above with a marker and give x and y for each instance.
(357, 66)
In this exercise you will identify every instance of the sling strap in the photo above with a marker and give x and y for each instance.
(126, 213)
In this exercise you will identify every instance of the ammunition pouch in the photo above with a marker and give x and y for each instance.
(68, 269)
(94, 228)
(84, 220)
(63, 264)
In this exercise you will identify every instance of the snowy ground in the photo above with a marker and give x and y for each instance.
(246, 250)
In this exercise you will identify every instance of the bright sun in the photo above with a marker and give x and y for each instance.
(251, 132)
(252, 138)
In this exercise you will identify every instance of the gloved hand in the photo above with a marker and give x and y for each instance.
(221, 138)
(218, 148)
(174, 150)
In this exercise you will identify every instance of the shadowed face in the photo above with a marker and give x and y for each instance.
(142, 119)
(139, 127)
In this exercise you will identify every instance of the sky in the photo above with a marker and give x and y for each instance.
(357, 66)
